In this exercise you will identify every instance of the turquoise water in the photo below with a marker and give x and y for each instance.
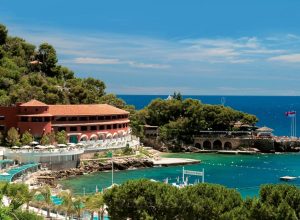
(242, 172)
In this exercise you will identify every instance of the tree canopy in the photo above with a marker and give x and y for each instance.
(179, 119)
(27, 72)
(144, 199)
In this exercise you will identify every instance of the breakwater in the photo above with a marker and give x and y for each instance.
(92, 166)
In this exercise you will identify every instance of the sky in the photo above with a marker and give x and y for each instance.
(196, 47)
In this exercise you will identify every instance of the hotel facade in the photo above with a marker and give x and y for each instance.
(84, 122)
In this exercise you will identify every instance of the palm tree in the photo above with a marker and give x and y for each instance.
(95, 203)
(28, 196)
(67, 203)
(45, 193)
(78, 205)
(90, 205)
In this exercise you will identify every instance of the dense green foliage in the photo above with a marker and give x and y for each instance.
(13, 137)
(27, 138)
(144, 199)
(18, 195)
(179, 119)
(27, 72)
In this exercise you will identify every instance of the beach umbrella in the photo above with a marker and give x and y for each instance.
(50, 146)
(25, 147)
(61, 145)
(41, 147)
(15, 147)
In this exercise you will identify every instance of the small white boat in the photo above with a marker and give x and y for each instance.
(288, 178)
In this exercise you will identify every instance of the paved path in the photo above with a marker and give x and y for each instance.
(174, 161)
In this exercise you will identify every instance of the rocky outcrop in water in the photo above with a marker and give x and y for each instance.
(91, 166)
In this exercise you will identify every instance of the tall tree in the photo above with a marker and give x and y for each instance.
(47, 55)
(3, 34)
(13, 137)
(27, 138)
(61, 137)
(45, 193)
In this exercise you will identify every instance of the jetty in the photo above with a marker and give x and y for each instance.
(174, 161)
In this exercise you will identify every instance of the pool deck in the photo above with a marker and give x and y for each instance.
(174, 161)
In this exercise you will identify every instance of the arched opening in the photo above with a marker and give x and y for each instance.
(217, 145)
(83, 138)
(101, 137)
(93, 137)
(115, 136)
(207, 145)
(120, 134)
(108, 137)
(198, 145)
(228, 146)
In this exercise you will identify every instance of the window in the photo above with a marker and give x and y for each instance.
(123, 125)
(72, 118)
(73, 128)
(82, 118)
(93, 128)
(120, 125)
(36, 109)
(102, 127)
(92, 118)
(107, 117)
(61, 119)
(2, 127)
(47, 119)
(100, 118)
(114, 117)
(2, 117)
(36, 119)
(115, 126)
(61, 129)
(108, 127)
(83, 128)
(24, 119)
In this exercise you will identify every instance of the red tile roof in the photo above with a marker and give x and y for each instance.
(33, 103)
(88, 109)
(82, 109)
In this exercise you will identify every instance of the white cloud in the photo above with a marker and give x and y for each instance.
(289, 58)
(148, 65)
(112, 61)
(99, 61)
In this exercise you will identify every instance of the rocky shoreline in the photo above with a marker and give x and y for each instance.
(92, 166)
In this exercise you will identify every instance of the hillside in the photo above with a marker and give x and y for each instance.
(29, 72)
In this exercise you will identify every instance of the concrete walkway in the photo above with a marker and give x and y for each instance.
(174, 161)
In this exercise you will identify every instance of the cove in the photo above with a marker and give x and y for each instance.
(242, 172)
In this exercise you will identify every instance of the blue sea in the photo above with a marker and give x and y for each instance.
(270, 110)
